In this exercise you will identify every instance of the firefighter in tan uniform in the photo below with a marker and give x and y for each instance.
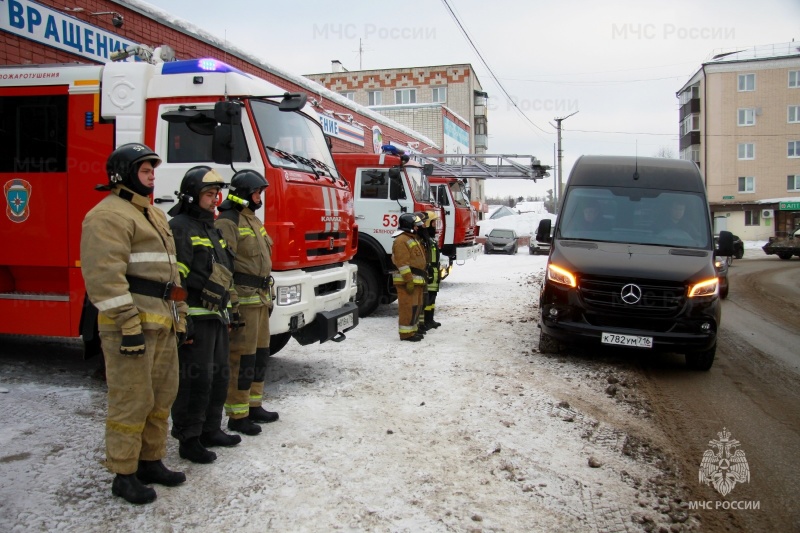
(251, 301)
(408, 255)
(129, 266)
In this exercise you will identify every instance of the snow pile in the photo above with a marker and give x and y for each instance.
(524, 224)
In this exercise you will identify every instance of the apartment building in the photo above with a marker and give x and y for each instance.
(740, 122)
(444, 103)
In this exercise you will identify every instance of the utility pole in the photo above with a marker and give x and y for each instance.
(558, 128)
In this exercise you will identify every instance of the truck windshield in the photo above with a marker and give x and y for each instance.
(419, 184)
(636, 216)
(292, 140)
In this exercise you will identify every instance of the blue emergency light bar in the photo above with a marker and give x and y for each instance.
(199, 66)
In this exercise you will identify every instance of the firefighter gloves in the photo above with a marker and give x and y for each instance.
(212, 296)
(410, 287)
(132, 345)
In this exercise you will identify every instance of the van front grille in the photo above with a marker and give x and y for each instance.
(659, 299)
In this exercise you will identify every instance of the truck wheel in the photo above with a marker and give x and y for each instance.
(368, 294)
(701, 360)
(547, 343)
(739, 253)
(277, 342)
(785, 255)
(532, 251)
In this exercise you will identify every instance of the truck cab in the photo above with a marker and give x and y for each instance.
(384, 187)
(460, 218)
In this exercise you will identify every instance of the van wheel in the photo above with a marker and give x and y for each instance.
(277, 342)
(369, 292)
(547, 343)
(701, 360)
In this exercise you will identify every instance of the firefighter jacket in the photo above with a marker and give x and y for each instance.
(408, 255)
(122, 236)
(434, 255)
(252, 250)
(204, 261)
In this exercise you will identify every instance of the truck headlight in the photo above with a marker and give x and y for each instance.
(704, 288)
(289, 294)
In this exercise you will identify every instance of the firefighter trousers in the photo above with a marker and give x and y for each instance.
(203, 383)
(410, 307)
(140, 393)
(248, 361)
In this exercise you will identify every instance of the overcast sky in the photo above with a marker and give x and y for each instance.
(619, 62)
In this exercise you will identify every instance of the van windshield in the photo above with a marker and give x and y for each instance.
(636, 216)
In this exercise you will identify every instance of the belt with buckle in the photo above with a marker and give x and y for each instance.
(166, 291)
(249, 280)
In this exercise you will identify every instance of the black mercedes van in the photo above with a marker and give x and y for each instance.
(632, 260)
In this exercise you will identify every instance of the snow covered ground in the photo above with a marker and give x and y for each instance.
(470, 430)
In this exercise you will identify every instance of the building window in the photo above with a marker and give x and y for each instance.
(747, 117)
(405, 96)
(747, 82)
(690, 123)
(747, 184)
(747, 151)
(793, 149)
(793, 183)
(752, 218)
(375, 97)
(350, 95)
(794, 113)
(794, 79)
(440, 95)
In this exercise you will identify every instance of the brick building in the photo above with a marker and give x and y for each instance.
(740, 122)
(47, 32)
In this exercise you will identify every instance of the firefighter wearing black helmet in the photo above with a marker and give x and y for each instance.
(428, 236)
(206, 268)
(252, 295)
(408, 255)
(131, 276)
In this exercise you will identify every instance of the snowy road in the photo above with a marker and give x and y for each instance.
(470, 430)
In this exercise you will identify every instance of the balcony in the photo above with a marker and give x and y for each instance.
(691, 138)
(690, 107)
(481, 141)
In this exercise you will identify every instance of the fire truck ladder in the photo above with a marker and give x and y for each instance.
(485, 166)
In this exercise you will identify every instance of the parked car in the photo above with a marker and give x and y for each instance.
(535, 247)
(738, 246)
(501, 241)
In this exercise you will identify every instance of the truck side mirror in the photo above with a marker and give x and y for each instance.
(228, 113)
(543, 231)
(293, 102)
(222, 144)
(725, 248)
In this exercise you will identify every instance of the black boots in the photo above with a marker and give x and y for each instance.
(415, 338)
(261, 416)
(156, 472)
(210, 439)
(244, 425)
(430, 323)
(195, 452)
(129, 487)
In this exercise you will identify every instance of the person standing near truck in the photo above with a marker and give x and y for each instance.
(252, 294)
(408, 255)
(206, 268)
(131, 275)
(433, 255)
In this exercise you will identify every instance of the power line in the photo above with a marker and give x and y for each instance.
(485, 64)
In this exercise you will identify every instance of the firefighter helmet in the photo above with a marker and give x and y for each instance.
(243, 184)
(427, 217)
(123, 165)
(409, 221)
(195, 181)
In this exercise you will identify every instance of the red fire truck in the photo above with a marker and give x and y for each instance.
(58, 123)
(384, 187)
(460, 218)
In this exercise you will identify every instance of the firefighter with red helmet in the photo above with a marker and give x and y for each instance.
(408, 255)
(251, 300)
(206, 267)
(131, 275)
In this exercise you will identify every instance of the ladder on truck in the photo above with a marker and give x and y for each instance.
(485, 166)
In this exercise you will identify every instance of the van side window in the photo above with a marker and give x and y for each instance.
(187, 146)
(33, 133)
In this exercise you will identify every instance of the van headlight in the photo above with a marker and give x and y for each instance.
(560, 275)
(290, 294)
(709, 287)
